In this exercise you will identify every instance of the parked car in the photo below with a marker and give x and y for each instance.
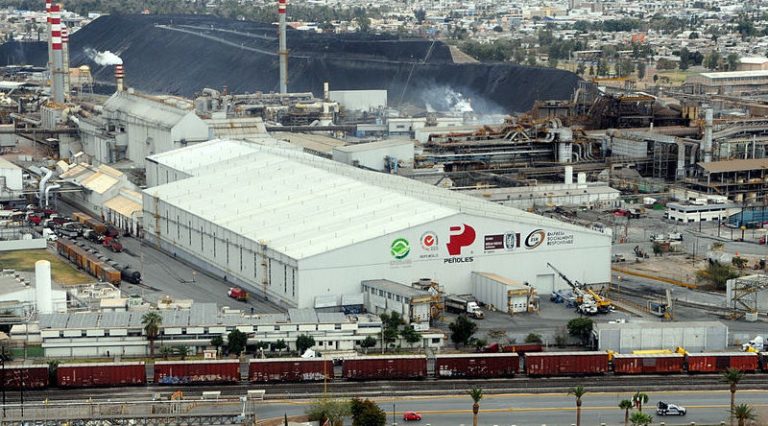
(411, 416)
(666, 409)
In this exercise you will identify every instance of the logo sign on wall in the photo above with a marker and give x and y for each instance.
(400, 248)
(535, 239)
(506, 241)
(461, 236)
(429, 245)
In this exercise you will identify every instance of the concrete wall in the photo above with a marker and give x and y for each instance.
(371, 155)
(694, 337)
(35, 243)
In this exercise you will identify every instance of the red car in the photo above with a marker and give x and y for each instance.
(411, 416)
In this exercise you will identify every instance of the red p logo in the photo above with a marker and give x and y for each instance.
(461, 236)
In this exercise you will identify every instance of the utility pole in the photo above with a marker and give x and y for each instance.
(2, 362)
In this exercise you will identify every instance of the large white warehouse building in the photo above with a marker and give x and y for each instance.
(290, 226)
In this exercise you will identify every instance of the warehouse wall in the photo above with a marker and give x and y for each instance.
(242, 261)
(569, 252)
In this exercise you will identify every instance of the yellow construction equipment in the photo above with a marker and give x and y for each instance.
(678, 350)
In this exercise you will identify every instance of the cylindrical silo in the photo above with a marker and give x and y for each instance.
(43, 291)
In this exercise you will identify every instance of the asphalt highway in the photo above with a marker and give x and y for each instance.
(552, 409)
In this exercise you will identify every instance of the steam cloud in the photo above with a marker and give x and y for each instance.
(103, 58)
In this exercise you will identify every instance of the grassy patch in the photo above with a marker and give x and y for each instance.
(63, 272)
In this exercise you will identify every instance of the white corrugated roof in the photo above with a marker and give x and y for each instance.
(302, 205)
(144, 109)
(196, 158)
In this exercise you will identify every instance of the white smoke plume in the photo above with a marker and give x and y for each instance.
(103, 58)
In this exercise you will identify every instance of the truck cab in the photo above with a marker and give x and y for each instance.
(238, 293)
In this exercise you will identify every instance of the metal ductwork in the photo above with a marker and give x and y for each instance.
(43, 182)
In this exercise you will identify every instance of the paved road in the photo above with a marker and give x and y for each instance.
(165, 275)
(704, 407)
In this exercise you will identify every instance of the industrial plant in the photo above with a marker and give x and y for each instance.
(190, 179)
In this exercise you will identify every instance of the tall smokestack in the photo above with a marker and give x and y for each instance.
(50, 49)
(58, 59)
(65, 62)
(119, 77)
(283, 49)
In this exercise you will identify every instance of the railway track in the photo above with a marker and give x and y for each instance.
(607, 383)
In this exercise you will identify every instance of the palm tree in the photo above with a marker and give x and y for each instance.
(639, 399)
(578, 392)
(743, 412)
(476, 394)
(733, 376)
(626, 405)
(152, 321)
(639, 418)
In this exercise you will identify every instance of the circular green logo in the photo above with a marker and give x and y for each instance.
(400, 248)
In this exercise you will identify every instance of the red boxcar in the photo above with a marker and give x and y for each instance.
(477, 365)
(289, 370)
(648, 364)
(389, 367)
(101, 374)
(566, 363)
(715, 362)
(30, 377)
(197, 372)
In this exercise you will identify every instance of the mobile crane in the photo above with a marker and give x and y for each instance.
(588, 302)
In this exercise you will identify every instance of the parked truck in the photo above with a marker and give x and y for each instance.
(238, 294)
(464, 304)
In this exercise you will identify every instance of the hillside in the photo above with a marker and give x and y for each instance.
(183, 54)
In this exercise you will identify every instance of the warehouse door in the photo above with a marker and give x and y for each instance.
(545, 283)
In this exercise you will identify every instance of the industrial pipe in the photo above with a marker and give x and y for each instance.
(43, 181)
(48, 190)
(707, 148)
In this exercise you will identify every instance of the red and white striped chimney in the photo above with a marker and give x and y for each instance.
(50, 50)
(65, 61)
(119, 77)
(58, 73)
(283, 49)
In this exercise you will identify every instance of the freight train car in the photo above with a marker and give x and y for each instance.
(197, 372)
(88, 262)
(476, 366)
(566, 363)
(717, 362)
(520, 349)
(289, 370)
(101, 374)
(385, 367)
(648, 364)
(27, 377)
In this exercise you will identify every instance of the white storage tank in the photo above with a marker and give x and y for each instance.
(44, 294)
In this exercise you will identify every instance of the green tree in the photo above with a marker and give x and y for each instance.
(279, 345)
(739, 262)
(639, 398)
(641, 70)
(151, 321)
(217, 342)
(462, 330)
(166, 351)
(626, 405)
(732, 376)
(236, 341)
(602, 67)
(552, 61)
(742, 413)
(476, 394)
(640, 419)
(367, 413)
(182, 351)
(712, 60)
(410, 335)
(685, 58)
(367, 343)
(331, 410)
(533, 338)
(716, 274)
(391, 323)
(531, 60)
(578, 392)
(581, 328)
(420, 15)
(732, 60)
(580, 68)
(304, 342)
